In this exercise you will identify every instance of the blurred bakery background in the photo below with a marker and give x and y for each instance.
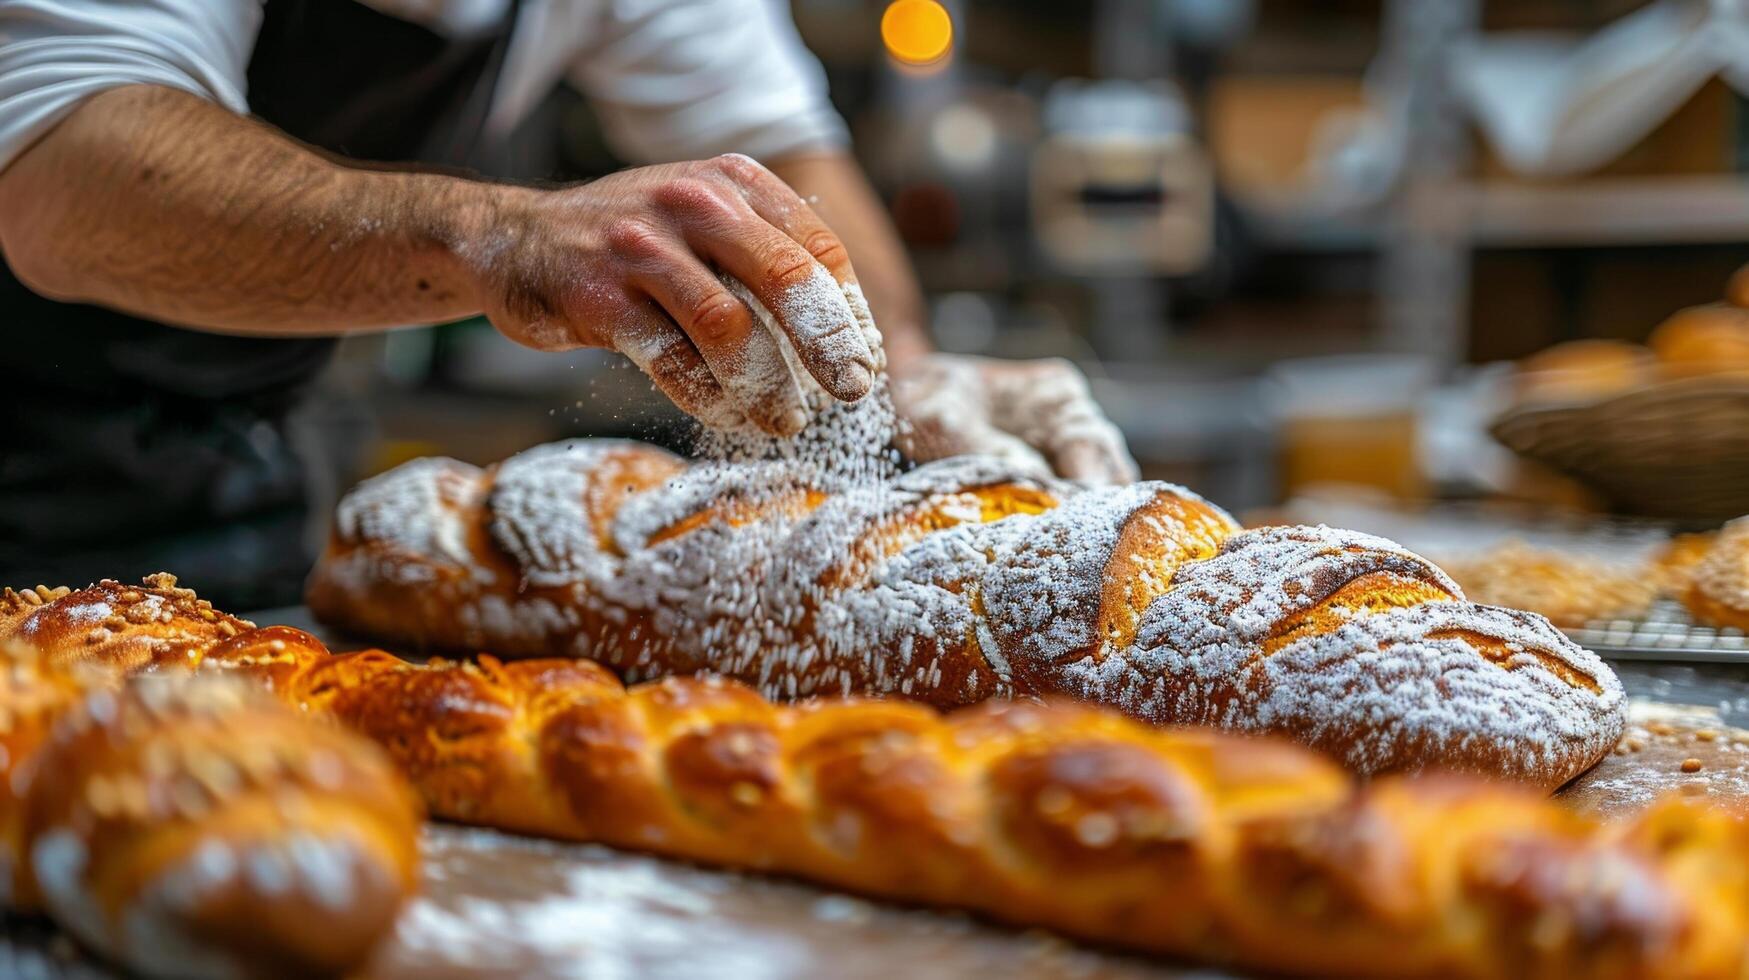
(1342, 261)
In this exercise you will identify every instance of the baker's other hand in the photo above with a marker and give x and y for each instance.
(630, 262)
(1036, 412)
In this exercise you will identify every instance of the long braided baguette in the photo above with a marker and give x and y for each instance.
(1181, 842)
(961, 581)
(192, 827)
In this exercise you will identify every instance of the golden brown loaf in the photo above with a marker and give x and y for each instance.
(1182, 842)
(192, 827)
(961, 581)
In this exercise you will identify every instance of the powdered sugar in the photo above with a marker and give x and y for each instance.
(1386, 689)
(414, 511)
(541, 514)
(846, 443)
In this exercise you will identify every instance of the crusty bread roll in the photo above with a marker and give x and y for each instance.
(1702, 340)
(192, 827)
(1673, 567)
(1581, 371)
(1182, 842)
(961, 581)
(1570, 589)
(1718, 586)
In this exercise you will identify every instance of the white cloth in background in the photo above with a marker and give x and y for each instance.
(1554, 105)
(671, 79)
(1549, 104)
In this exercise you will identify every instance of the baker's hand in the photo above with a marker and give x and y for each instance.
(1038, 412)
(629, 262)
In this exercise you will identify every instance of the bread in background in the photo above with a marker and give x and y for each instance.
(1737, 289)
(1718, 593)
(1570, 589)
(1702, 340)
(1582, 371)
(1674, 566)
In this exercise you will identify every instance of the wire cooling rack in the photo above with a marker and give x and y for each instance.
(1666, 633)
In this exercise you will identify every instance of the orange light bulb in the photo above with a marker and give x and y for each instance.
(917, 32)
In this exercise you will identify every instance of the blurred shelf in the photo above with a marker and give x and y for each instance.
(1702, 209)
(1622, 211)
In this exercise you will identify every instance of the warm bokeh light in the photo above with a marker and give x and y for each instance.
(917, 32)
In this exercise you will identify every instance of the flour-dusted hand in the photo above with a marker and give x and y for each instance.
(630, 262)
(1038, 412)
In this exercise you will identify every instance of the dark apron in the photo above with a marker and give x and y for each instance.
(130, 447)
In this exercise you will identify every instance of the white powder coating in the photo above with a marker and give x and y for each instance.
(1043, 584)
(415, 513)
(1022, 413)
(1385, 689)
(602, 917)
(540, 513)
(846, 444)
(89, 612)
(1648, 762)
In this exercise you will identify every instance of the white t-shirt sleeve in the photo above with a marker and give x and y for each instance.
(56, 53)
(687, 79)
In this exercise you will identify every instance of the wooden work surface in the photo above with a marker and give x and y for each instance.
(494, 905)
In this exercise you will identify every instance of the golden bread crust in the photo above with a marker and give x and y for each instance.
(1180, 842)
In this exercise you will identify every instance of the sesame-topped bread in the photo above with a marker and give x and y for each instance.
(188, 827)
(959, 581)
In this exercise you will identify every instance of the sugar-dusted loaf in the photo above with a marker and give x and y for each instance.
(961, 581)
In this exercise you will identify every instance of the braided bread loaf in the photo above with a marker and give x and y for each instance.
(193, 827)
(961, 581)
(1173, 841)
(1183, 842)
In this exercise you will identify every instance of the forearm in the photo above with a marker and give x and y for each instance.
(161, 204)
(835, 187)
